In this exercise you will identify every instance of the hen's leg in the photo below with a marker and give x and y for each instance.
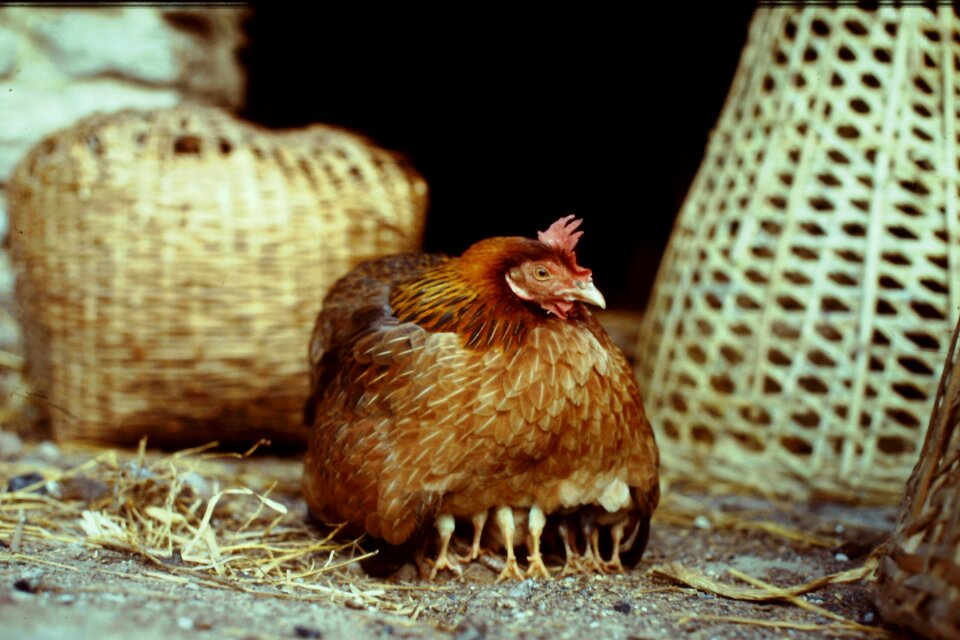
(478, 520)
(536, 521)
(445, 526)
(507, 527)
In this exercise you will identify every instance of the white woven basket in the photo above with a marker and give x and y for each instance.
(802, 313)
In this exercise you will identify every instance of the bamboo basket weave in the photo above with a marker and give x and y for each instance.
(170, 265)
(919, 580)
(802, 311)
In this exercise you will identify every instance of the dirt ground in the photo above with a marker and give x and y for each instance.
(54, 586)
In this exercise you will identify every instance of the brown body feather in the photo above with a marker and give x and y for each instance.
(435, 388)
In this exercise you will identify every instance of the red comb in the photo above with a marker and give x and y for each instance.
(562, 234)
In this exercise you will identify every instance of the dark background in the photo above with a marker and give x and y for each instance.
(515, 120)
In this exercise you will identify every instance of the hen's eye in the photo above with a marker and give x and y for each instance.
(541, 273)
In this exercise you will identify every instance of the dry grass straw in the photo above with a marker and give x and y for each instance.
(216, 520)
(684, 510)
(830, 629)
(761, 591)
(188, 517)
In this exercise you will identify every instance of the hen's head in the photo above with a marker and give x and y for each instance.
(544, 271)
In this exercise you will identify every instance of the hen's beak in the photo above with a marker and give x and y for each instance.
(585, 291)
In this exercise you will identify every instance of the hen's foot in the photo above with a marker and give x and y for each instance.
(507, 528)
(536, 568)
(511, 571)
(445, 526)
(444, 561)
(536, 520)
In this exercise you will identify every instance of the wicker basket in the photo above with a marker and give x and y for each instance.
(170, 265)
(801, 315)
(919, 584)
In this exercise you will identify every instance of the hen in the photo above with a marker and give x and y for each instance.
(444, 388)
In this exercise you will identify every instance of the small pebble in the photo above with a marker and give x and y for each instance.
(841, 557)
(523, 590)
(28, 581)
(199, 484)
(25, 480)
(66, 598)
(80, 488)
(869, 617)
(185, 623)
(623, 607)
(303, 631)
(48, 451)
(137, 471)
(470, 630)
(701, 522)
(24, 586)
(10, 444)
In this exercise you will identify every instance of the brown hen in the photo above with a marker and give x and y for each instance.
(444, 388)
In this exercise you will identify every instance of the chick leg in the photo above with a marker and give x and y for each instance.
(616, 533)
(478, 520)
(536, 521)
(591, 557)
(423, 564)
(572, 563)
(591, 562)
(445, 526)
(507, 527)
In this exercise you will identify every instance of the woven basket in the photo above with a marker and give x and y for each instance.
(170, 265)
(801, 315)
(919, 583)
